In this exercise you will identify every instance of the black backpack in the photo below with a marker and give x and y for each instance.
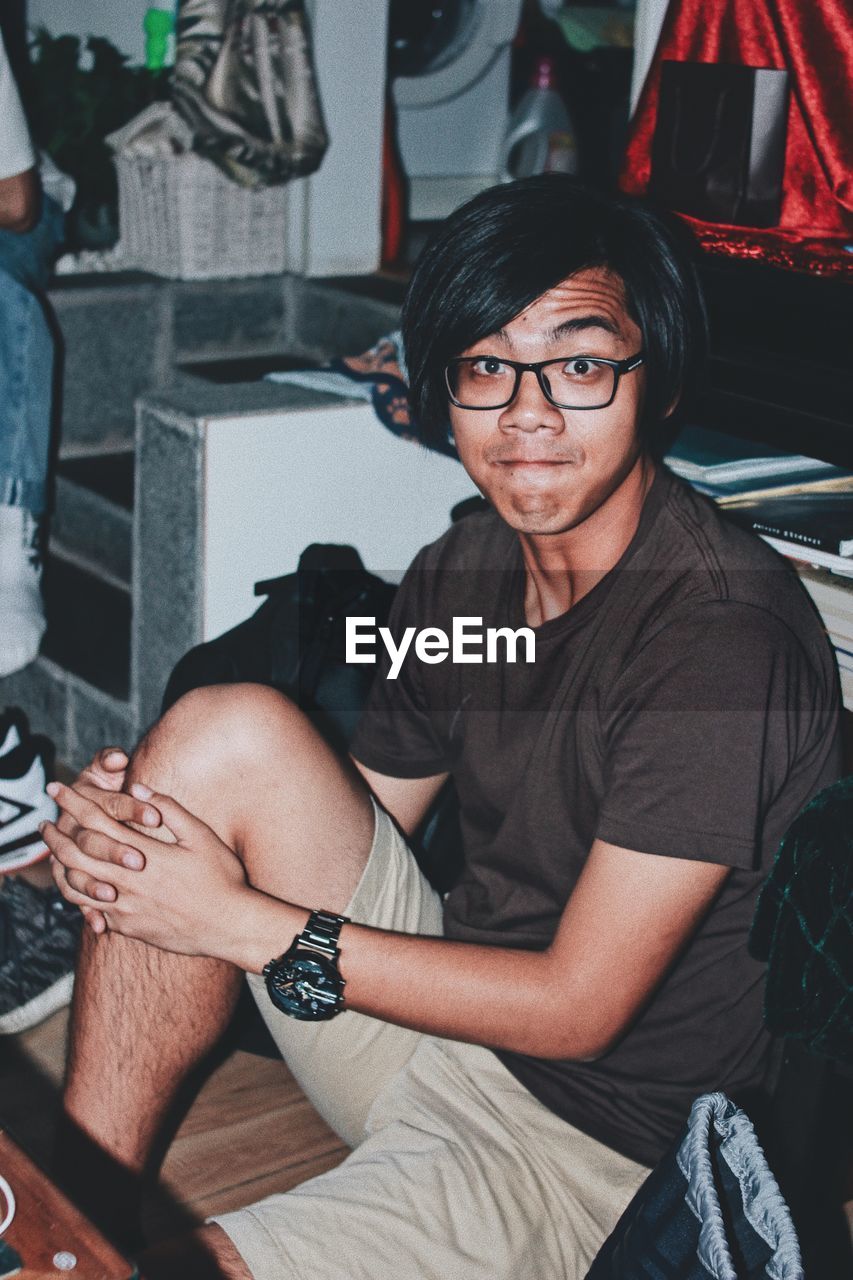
(295, 642)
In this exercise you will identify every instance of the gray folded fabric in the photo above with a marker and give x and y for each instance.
(244, 82)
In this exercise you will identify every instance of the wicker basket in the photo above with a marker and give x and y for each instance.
(179, 216)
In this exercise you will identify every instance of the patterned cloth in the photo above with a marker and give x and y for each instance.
(711, 1210)
(379, 376)
(803, 927)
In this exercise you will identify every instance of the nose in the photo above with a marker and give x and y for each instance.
(530, 409)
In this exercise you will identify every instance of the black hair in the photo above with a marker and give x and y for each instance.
(509, 245)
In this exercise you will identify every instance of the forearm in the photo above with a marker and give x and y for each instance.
(626, 920)
(19, 201)
(500, 997)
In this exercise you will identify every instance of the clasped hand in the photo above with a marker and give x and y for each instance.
(172, 890)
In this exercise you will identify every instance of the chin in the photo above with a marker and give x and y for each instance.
(537, 517)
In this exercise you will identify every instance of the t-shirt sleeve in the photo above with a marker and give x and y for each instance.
(700, 732)
(16, 149)
(396, 734)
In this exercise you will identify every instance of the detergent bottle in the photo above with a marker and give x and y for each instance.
(540, 137)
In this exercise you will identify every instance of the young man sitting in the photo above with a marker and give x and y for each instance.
(507, 1063)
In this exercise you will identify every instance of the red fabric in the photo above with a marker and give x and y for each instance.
(813, 41)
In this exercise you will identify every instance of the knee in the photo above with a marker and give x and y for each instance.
(215, 730)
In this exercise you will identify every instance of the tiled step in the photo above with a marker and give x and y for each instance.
(100, 676)
(78, 718)
(88, 625)
(93, 517)
(115, 344)
(233, 369)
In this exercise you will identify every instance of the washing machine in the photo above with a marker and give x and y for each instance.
(449, 65)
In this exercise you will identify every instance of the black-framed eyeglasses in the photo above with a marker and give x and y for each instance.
(569, 382)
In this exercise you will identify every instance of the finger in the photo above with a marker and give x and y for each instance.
(69, 892)
(96, 845)
(64, 826)
(73, 859)
(66, 823)
(95, 919)
(121, 806)
(82, 882)
(87, 810)
(107, 769)
(113, 759)
(100, 850)
(183, 824)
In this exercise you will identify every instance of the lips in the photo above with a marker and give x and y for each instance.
(533, 462)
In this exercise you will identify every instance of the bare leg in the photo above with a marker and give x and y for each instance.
(207, 1254)
(251, 765)
(38, 875)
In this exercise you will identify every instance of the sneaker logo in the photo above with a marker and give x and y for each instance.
(12, 810)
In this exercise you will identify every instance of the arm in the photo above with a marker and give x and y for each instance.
(626, 921)
(19, 201)
(406, 799)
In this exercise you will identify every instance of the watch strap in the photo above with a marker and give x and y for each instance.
(321, 933)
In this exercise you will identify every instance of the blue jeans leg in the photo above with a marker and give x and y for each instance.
(26, 361)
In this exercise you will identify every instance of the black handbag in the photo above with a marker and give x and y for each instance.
(718, 151)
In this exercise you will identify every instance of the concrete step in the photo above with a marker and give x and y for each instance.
(77, 692)
(101, 673)
(228, 370)
(93, 516)
(123, 333)
(78, 718)
(115, 339)
(88, 623)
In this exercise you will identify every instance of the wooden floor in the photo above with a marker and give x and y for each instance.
(249, 1132)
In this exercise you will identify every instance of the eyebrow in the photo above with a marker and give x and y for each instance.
(577, 324)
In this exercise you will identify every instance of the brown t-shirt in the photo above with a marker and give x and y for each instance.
(687, 706)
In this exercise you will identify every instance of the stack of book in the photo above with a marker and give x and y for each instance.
(803, 507)
(834, 602)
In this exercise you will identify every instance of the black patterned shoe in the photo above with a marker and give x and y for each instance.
(39, 933)
(24, 804)
(12, 732)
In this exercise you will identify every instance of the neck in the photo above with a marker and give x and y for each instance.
(562, 568)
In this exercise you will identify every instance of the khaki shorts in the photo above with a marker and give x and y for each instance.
(457, 1172)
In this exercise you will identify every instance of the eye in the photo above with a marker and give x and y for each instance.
(488, 365)
(579, 367)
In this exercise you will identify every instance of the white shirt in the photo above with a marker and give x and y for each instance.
(16, 149)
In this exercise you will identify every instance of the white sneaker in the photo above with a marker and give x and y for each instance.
(10, 736)
(22, 620)
(24, 804)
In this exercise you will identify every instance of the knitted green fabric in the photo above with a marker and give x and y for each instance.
(803, 927)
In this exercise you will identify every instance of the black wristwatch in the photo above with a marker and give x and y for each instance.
(305, 982)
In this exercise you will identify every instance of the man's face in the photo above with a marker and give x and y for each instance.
(547, 470)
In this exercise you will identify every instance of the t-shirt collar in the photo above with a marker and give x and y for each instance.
(593, 600)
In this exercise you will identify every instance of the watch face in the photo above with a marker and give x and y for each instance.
(305, 986)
